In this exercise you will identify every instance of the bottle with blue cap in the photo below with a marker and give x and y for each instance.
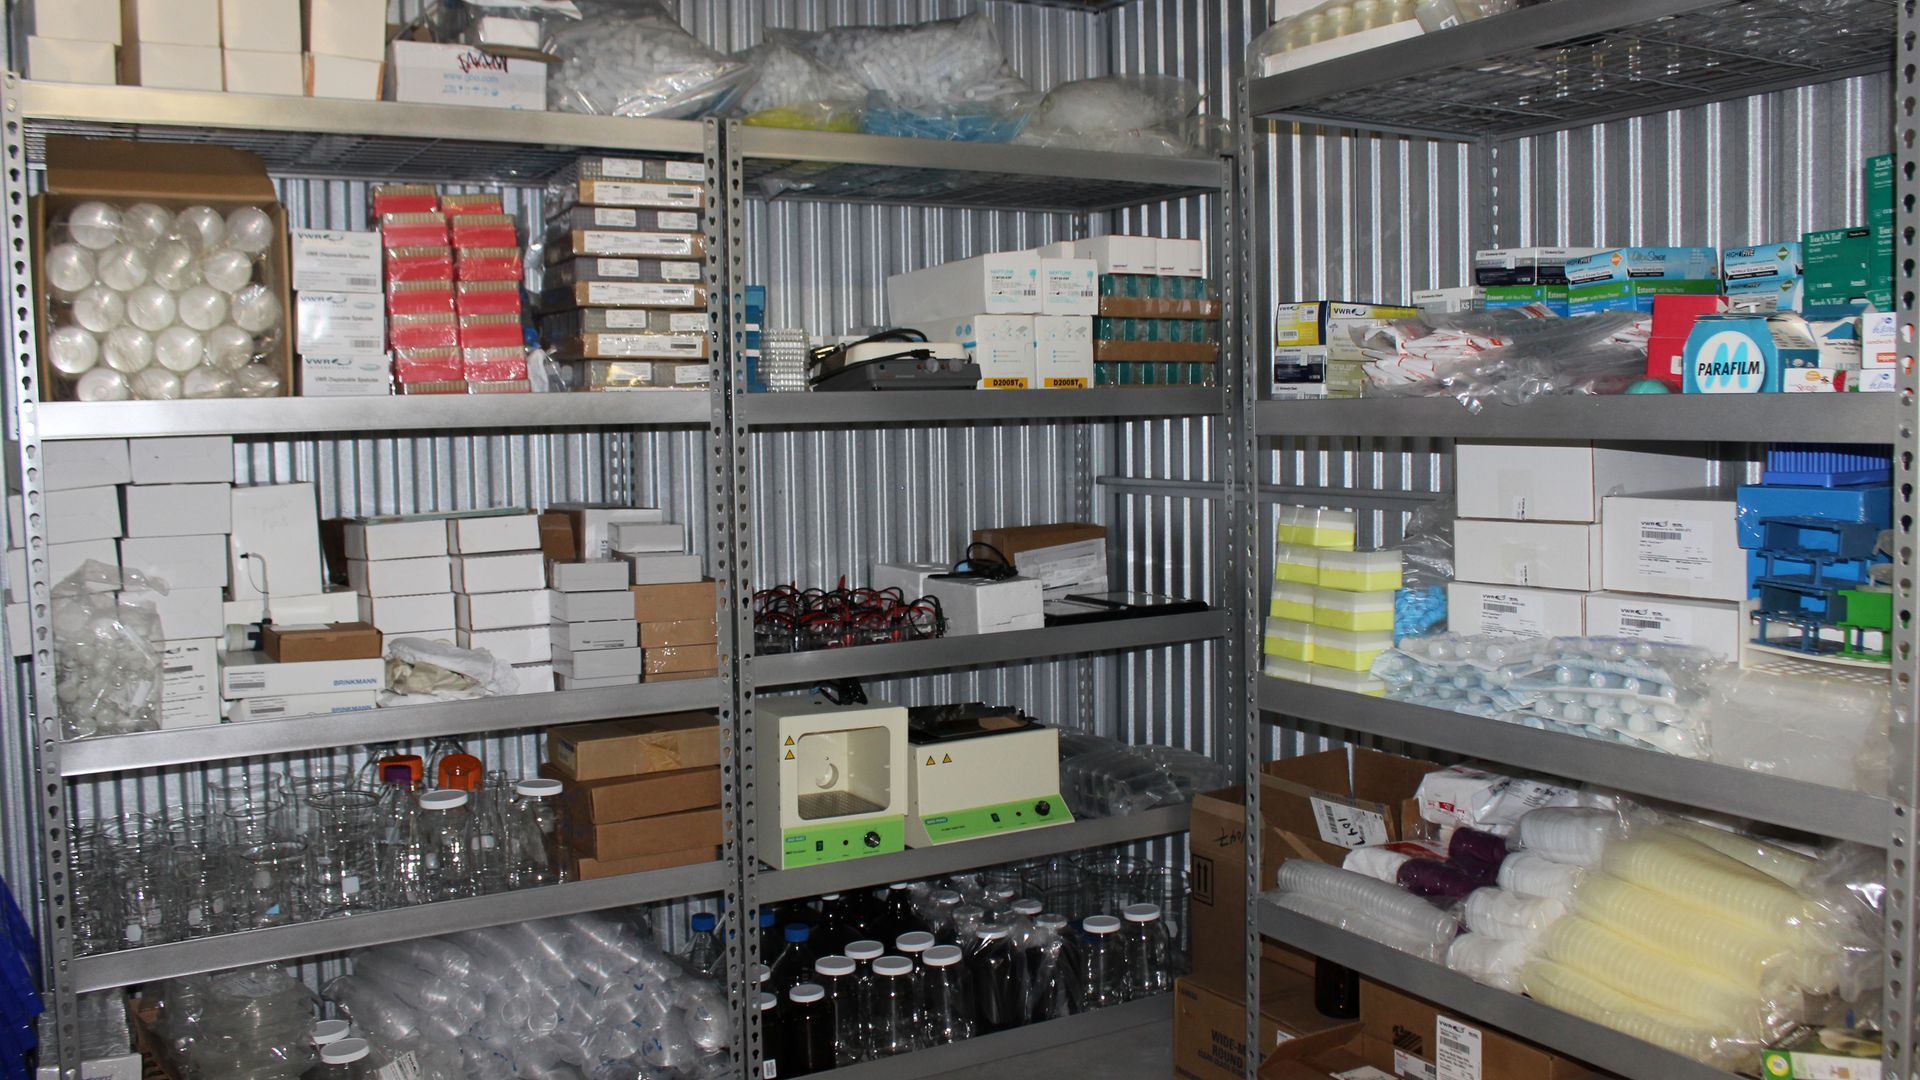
(794, 965)
(704, 956)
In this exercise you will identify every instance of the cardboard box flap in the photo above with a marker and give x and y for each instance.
(123, 171)
(1367, 780)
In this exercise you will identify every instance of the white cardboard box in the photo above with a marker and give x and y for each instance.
(516, 645)
(499, 611)
(594, 606)
(1546, 555)
(1180, 258)
(173, 67)
(353, 28)
(463, 75)
(1514, 611)
(587, 636)
(172, 22)
(19, 630)
(630, 537)
(64, 559)
(252, 675)
(183, 562)
(1719, 626)
(401, 577)
(1555, 482)
(909, 577)
(325, 608)
(179, 509)
(1879, 340)
(335, 261)
(263, 25)
(186, 613)
(190, 683)
(75, 20)
(1120, 254)
(1001, 344)
(1677, 544)
(593, 523)
(980, 606)
(345, 376)
(94, 63)
(1062, 352)
(655, 568)
(252, 72)
(340, 324)
(275, 541)
(1069, 287)
(593, 576)
(599, 663)
(195, 459)
(344, 77)
(408, 615)
(73, 514)
(291, 705)
(17, 575)
(562, 682)
(377, 539)
(515, 571)
(533, 678)
(1005, 283)
(83, 463)
(481, 535)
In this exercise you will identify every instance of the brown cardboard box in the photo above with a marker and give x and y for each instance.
(1012, 540)
(556, 537)
(660, 635)
(1354, 795)
(613, 840)
(1209, 1035)
(175, 176)
(1345, 1062)
(340, 641)
(676, 603)
(683, 676)
(611, 749)
(1217, 856)
(1401, 1038)
(627, 798)
(671, 659)
(588, 868)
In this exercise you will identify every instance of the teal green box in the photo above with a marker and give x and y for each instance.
(1840, 265)
(1634, 295)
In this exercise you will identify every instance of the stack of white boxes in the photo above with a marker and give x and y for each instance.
(500, 581)
(346, 48)
(340, 314)
(260, 42)
(81, 520)
(655, 552)
(1025, 317)
(594, 634)
(400, 568)
(73, 41)
(1562, 540)
(172, 44)
(179, 508)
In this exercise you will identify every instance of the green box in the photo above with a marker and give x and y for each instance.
(1880, 175)
(1513, 296)
(1635, 295)
(1840, 265)
(1810, 1053)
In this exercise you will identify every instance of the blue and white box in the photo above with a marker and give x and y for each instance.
(1644, 264)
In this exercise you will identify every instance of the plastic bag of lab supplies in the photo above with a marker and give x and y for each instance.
(1511, 357)
(634, 59)
(786, 86)
(1823, 729)
(520, 23)
(1426, 566)
(1132, 114)
(939, 80)
(106, 651)
(420, 671)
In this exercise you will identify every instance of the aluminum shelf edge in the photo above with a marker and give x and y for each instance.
(788, 669)
(977, 406)
(152, 749)
(1848, 418)
(986, 1049)
(224, 951)
(1847, 815)
(917, 863)
(278, 416)
(1516, 1015)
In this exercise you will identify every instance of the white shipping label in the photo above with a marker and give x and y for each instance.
(686, 170)
(630, 168)
(687, 322)
(404, 1067)
(1364, 1072)
(645, 345)
(1411, 1067)
(615, 217)
(1667, 626)
(681, 271)
(678, 220)
(641, 295)
(1008, 284)
(692, 375)
(622, 268)
(1348, 826)
(1675, 550)
(636, 243)
(646, 194)
(1516, 615)
(1456, 1054)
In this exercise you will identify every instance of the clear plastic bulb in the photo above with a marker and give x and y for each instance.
(100, 309)
(258, 381)
(250, 229)
(123, 267)
(102, 384)
(227, 269)
(95, 225)
(72, 350)
(175, 267)
(151, 308)
(202, 307)
(229, 348)
(202, 227)
(70, 267)
(129, 349)
(256, 309)
(179, 348)
(205, 382)
(147, 224)
(155, 384)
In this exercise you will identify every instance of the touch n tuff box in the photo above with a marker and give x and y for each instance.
(1644, 264)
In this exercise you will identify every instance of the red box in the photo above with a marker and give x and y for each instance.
(404, 199)
(413, 230)
(425, 263)
(488, 298)
(484, 231)
(490, 331)
(419, 297)
(494, 365)
(436, 331)
(427, 365)
(489, 264)
(1673, 318)
(476, 203)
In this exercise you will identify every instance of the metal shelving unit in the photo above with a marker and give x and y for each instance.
(1857, 418)
(986, 1049)
(948, 406)
(288, 416)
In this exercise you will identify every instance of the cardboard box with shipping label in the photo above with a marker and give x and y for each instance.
(675, 602)
(647, 836)
(648, 744)
(1209, 1027)
(1405, 1034)
(632, 797)
(344, 641)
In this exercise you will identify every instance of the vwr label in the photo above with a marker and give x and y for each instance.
(1348, 826)
(1457, 1055)
(1511, 615)
(1675, 550)
(1411, 1067)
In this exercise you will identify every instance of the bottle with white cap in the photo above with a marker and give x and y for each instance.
(344, 1059)
(836, 975)
(1049, 969)
(999, 981)
(325, 1033)
(1102, 965)
(892, 1013)
(946, 996)
(538, 852)
(447, 866)
(808, 1029)
(863, 953)
(771, 1036)
(1149, 968)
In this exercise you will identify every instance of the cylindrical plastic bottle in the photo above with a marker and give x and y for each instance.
(795, 962)
(343, 1060)
(325, 1034)
(864, 953)
(448, 826)
(966, 919)
(836, 975)
(941, 904)
(1148, 970)
(947, 996)
(771, 1037)
(1102, 964)
(491, 797)
(538, 852)
(898, 917)
(809, 1031)
(837, 925)
(1049, 969)
(1019, 919)
(704, 956)
(999, 984)
(890, 1008)
(770, 939)
(913, 944)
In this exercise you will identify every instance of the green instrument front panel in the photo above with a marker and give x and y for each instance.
(829, 842)
(989, 820)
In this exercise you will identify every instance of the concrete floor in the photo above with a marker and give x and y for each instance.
(1142, 1053)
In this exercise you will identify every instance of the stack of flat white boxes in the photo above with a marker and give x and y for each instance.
(499, 581)
(1572, 540)
(594, 635)
(179, 512)
(654, 551)
(404, 576)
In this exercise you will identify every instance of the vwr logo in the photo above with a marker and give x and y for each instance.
(1728, 363)
(471, 62)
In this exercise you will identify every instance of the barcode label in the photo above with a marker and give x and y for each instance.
(1674, 551)
(1512, 615)
(607, 215)
(176, 669)
(1631, 622)
(622, 268)
(1348, 826)
(1456, 1051)
(404, 1067)
(363, 282)
(364, 344)
(1661, 534)
(602, 292)
(247, 681)
(1500, 609)
(260, 709)
(680, 221)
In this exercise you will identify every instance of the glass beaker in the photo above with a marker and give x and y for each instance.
(343, 850)
(272, 885)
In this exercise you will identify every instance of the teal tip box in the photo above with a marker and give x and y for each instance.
(1735, 354)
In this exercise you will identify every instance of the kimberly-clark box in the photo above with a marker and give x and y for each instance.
(499, 611)
(1001, 344)
(335, 261)
(251, 72)
(1545, 555)
(261, 25)
(84, 463)
(178, 509)
(433, 74)
(195, 459)
(481, 534)
(1644, 264)
(183, 562)
(344, 77)
(1514, 611)
(400, 577)
(1006, 283)
(404, 616)
(185, 613)
(511, 572)
(65, 61)
(376, 539)
(172, 67)
(340, 324)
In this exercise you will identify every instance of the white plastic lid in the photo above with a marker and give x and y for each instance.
(990, 932)
(1051, 919)
(766, 1001)
(899, 885)
(760, 972)
(864, 949)
(942, 956)
(1101, 924)
(1028, 908)
(805, 992)
(944, 897)
(914, 941)
(833, 966)
(540, 788)
(830, 896)
(344, 1051)
(1141, 912)
(893, 966)
(329, 1031)
(443, 799)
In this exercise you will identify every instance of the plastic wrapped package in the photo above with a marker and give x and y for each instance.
(1511, 356)
(937, 80)
(1362, 904)
(634, 59)
(785, 86)
(106, 651)
(1532, 875)
(1129, 114)
(1575, 835)
(1491, 961)
(1366, 924)
(1509, 916)
(1783, 864)
(1102, 777)
(1481, 853)
(1382, 862)
(420, 671)
(1676, 866)
(1426, 567)
(1674, 984)
(1823, 730)
(1581, 995)
(1771, 963)
(1436, 880)
(1464, 797)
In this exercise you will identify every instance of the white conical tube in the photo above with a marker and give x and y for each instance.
(1533, 875)
(1583, 996)
(1490, 961)
(1575, 835)
(1788, 867)
(1660, 979)
(1770, 963)
(1376, 899)
(1422, 942)
(1696, 874)
(1508, 916)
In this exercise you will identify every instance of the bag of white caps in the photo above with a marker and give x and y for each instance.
(164, 273)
